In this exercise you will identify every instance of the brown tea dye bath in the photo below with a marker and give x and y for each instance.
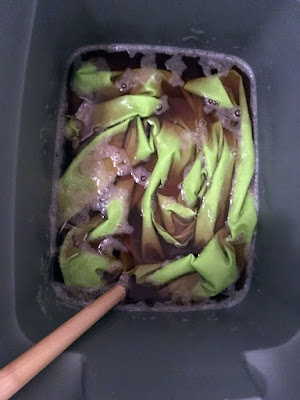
(159, 178)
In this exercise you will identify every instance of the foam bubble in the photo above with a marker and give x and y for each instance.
(199, 134)
(101, 64)
(163, 106)
(141, 176)
(127, 81)
(149, 70)
(115, 266)
(230, 118)
(176, 66)
(108, 245)
(125, 228)
(105, 196)
(93, 166)
(120, 161)
(211, 66)
(148, 61)
(132, 53)
(118, 156)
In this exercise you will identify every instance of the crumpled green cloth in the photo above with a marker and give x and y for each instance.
(182, 158)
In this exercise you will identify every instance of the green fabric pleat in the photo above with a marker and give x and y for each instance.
(168, 149)
(221, 178)
(114, 219)
(193, 182)
(82, 265)
(243, 207)
(88, 79)
(210, 87)
(145, 147)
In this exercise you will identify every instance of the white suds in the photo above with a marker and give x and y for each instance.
(163, 106)
(131, 53)
(176, 66)
(230, 118)
(127, 81)
(120, 160)
(108, 245)
(148, 61)
(211, 66)
(101, 64)
(141, 176)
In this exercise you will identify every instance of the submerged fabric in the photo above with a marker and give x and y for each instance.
(178, 160)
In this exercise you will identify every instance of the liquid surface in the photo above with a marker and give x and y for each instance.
(157, 177)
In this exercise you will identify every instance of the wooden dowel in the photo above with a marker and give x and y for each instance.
(20, 371)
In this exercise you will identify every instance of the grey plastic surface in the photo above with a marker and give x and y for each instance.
(165, 356)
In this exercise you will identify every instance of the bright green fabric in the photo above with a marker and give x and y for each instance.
(193, 182)
(208, 211)
(81, 266)
(89, 79)
(243, 208)
(114, 219)
(211, 211)
(210, 87)
(168, 149)
(216, 265)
